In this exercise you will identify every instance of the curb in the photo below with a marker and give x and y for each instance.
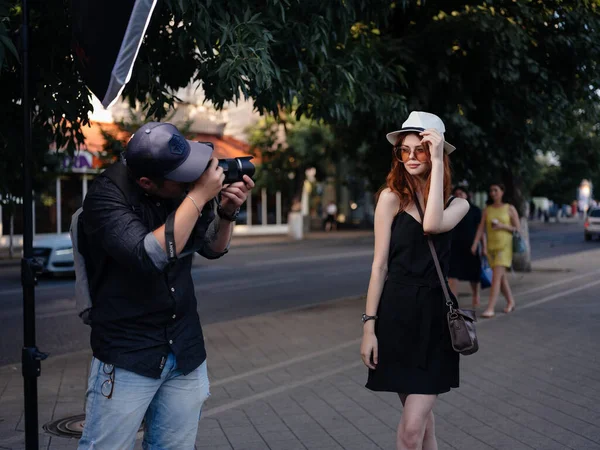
(276, 240)
(15, 262)
(250, 241)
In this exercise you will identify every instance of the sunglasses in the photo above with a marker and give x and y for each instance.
(108, 386)
(402, 153)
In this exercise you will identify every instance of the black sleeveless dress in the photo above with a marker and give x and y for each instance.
(463, 264)
(415, 352)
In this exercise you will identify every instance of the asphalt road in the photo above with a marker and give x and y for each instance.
(247, 281)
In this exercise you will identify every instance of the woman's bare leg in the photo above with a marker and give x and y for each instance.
(499, 272)
(416, 430)
(453, 283)
(430, 441)
(505, 288)
(475, 292)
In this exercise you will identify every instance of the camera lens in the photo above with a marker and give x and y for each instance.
(246, 167)
(236, 168)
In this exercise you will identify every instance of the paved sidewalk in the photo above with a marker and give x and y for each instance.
(294, 380)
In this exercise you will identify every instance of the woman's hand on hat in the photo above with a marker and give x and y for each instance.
(210, 183)
(234, 195)
(434, 141)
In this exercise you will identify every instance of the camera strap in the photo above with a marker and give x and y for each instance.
(170, 238)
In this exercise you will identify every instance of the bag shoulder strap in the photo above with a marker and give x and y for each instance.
(436, 261)
(119, 175)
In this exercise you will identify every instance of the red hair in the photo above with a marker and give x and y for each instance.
(405, 186)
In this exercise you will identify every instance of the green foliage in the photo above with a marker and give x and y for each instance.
(503, 75)
(273, 51)
(507, 78)
(60, 100)
(7, 47)
(579, 159)
(288, 146)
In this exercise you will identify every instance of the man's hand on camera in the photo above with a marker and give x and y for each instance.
(234, 195)
(210, 183)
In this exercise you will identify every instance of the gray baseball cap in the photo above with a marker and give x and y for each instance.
(160, 150)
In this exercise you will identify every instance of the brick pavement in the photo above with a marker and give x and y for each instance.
(293, 379)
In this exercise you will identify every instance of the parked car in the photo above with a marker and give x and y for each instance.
(592, 224)
(54, 252)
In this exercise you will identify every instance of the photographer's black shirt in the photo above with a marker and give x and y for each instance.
(143, 308)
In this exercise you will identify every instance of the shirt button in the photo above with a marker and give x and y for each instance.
(174, 316)
(170, 341)
(172, 289)
(157, 203)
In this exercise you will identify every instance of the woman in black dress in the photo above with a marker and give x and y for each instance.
(406, 343)
(465, 265)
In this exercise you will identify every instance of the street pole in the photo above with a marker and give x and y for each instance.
(31, 356)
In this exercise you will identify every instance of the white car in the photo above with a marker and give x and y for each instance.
(54, 252)
(592, 224)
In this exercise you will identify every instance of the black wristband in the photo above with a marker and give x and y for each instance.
(170, 237)
(229, 217)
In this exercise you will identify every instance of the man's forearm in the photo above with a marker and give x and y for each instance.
(186, 217)
(218, 235)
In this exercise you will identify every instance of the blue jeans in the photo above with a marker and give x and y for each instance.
(171, 408)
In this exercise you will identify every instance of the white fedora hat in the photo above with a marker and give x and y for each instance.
(420, 121)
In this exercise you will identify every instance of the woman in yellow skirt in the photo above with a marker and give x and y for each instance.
(499, 221)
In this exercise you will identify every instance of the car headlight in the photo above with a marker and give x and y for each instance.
(64, 251)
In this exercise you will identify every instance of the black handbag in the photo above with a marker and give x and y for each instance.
(461, 322)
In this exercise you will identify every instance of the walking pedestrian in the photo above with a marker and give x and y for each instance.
(142, 224)
(331, 219)
(499, 221)
(406, 343)
(464, 265)
(531, 209)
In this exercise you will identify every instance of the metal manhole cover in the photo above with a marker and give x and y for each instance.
(70, 427)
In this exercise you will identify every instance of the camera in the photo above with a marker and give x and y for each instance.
(234, 168)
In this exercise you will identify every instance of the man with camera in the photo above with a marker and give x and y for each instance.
(141, 224)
